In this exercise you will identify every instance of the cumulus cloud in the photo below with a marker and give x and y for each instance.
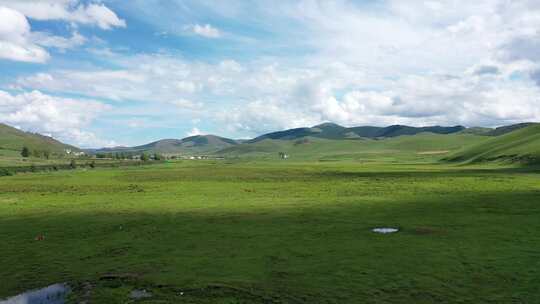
(417, 63)
(271, 96)
(158, 77)
(15, 38)
(194, 132)
(186, 104)
(61, 43)
(19, 43)
(466, 99)
(486, 70)
(96, 14)
(205, 30)
(63, 118)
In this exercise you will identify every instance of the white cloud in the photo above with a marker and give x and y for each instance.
(19, 43)
(205, 30)
(258, 98)
(187, 86)
(58, 42)
(98, 14)
(63, 118)
(15, 41)
(187, 104)
(67, 10)
(158, 77)
(194, 132)
(419, 62)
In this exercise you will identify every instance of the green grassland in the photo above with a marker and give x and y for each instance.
(12, 140)
(522, 145)
(407, 147)
(276, 232)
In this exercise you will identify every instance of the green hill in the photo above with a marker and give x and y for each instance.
(189, 145)
(507, 129)
(478, 131)
(12, 141)
(521, 145)
(334, 131)
(408, 147)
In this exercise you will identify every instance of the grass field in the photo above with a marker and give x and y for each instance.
(397, 149)
(275, 232)
(522, 145)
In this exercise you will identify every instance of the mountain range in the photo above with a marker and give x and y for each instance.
(518, 142)
(189, 145)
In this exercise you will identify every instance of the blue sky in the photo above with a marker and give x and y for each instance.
(106, 73)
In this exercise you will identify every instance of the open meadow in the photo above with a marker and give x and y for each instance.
(269, 152)
(275, 232)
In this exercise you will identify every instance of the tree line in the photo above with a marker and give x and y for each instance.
(26, 152)
(131, 155)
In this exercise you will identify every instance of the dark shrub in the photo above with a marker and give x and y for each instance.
(25, 152)
(5, 172)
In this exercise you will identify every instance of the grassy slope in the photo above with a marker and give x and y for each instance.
(199, 144)
(397, 148)
(12, 139)
(297, 232)
(334, 131)
(521, 145)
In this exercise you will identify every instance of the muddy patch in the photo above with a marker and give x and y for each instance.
(127, 289)
(427, 230)
(140, 294)
(53, 294)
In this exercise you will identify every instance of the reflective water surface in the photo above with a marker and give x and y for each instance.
(385, 230)
(54, 294)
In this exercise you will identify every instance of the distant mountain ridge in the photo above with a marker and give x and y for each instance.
(335, 131)
(517, 143)
(212, 144)
(192, 144)
(510, 128)
(13, 139)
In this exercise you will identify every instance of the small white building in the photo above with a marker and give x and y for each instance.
(74, 153)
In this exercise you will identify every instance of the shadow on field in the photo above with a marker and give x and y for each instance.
(469, 247)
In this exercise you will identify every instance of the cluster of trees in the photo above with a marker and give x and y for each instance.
(130, 155)
(121, 155)
(154, 156)
(26, 152)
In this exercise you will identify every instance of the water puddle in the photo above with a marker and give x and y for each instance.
(54, 294)
(385, 230)
(140, 294)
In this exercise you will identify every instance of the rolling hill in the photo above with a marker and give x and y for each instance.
(408, 147)
(330, 140)
(507, 129)
(334, 131)
(12, 141)
(189, 145)
(522, 144)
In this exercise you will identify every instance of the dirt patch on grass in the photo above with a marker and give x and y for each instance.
(426, 230)
(120, 288)
(432, 152)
